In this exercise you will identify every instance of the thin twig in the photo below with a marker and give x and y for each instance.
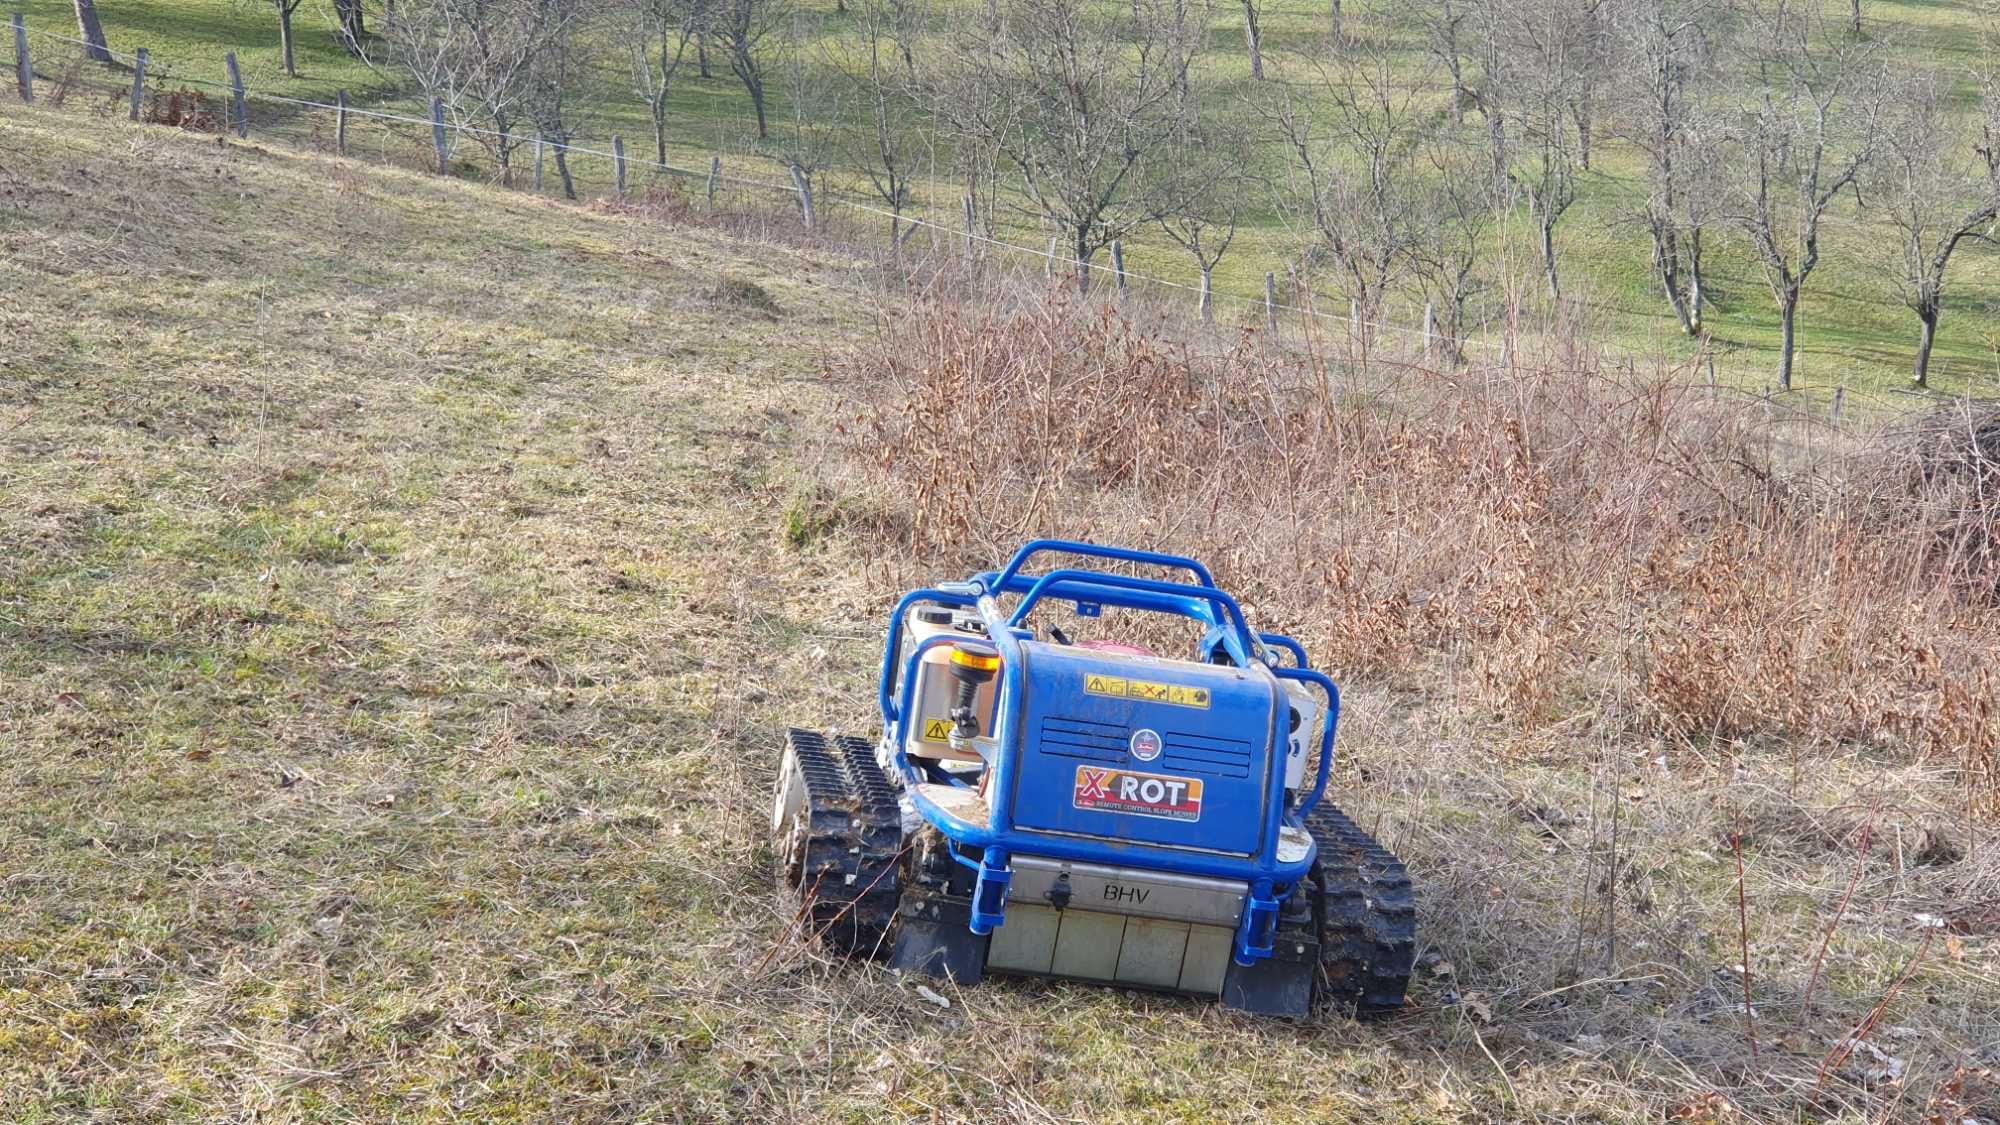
(1819, 959)
(1743, 936)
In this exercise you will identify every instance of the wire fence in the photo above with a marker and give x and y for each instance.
(160, 91)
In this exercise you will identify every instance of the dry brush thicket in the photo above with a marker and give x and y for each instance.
(1561, 539)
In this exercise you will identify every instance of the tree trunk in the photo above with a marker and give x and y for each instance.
(1694, 280)
(1207, 294)
(1250, 39)
(1082, 262)
(701, 53)
(1584, 109)
(506, 146)
(1854, 16)
(660, 128)
(285, 36)
(1338, 36)
(562, 167)
(1667, 259)
(353, 24)
(91, 31)
(1927, 314)
(1788, 309)
(1547, 240)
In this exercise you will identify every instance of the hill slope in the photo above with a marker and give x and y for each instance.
(403, 586)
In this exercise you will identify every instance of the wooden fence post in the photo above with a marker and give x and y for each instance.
(618, 159)
(538, 161)
(24, 71)
(138, 82)
(969, 218)
(437, 135)
(714, 173)
(1271, 300)
(236, 84)
(804, 187)
(1118, 265)
(1839, 397)
(1711, 375)
(1430, 327)
(1049, 263)
(340, 122)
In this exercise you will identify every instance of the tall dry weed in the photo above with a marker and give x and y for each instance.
(1575, 540)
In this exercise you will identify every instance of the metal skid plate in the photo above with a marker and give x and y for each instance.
(1111, 948)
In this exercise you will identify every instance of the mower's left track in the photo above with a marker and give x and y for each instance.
(838, 834)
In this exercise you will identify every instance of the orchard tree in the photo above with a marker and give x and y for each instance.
(1542, 59)
(1355, 179)
(1814, 121)
(491, 62)
(879, 78)
(1074, 98)
(659, 32)
(1940, 188)
(1456, 211)
(1665, 76)
(1200, 190)
(745, 28)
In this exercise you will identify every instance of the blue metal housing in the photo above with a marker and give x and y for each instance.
(1064, 711)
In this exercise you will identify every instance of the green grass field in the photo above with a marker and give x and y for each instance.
(403, 592)
(1854, 330)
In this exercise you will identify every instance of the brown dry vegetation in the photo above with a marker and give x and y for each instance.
(1572, 541)
(404, 586)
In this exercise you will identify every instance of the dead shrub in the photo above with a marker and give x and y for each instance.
(182, 109)
(1578, 541)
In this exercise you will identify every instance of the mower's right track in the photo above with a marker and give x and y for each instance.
(1365, 915)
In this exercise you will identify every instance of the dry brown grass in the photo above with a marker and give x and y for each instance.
(1571, 539)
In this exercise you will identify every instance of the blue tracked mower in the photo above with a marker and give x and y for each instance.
(1091, 810)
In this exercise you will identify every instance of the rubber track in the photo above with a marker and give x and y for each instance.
(849, 880)
(1371, 917)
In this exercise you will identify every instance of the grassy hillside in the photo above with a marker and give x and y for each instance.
(1854, 331)
(404, 585)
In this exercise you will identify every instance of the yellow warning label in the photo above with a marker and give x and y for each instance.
(1118, 687)
(937, 730)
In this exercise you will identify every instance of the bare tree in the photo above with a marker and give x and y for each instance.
(486, 60)
(1456, 210)
(91, 31)
(352, 22)
(1202, 185)
(808, 137)
(555, 75)
(660, 31)
(1666, 66)
(1355, 175)
(1813, 124)
(1444, 25)
(1074, 99)
(1540, 56)
(874, 78)
(285, 8)
(744, 26)
(1253, 40)
(1941, 188)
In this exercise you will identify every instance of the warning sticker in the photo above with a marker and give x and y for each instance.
(1118, 687)
(937, 730)
(1137, 794)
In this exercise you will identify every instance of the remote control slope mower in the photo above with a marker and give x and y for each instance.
(1092, 810)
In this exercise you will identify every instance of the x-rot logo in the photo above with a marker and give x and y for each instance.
(1138, 794)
